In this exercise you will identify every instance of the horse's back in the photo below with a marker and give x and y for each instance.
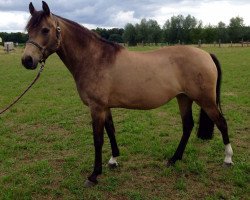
(148, 80)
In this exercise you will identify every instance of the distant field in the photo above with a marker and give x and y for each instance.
(46, 147)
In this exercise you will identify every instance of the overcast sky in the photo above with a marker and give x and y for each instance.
(116, 13)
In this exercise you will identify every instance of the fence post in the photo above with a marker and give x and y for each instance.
(8, 48)
(220, 43)
(199, 43)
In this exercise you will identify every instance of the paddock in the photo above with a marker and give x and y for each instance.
(45, 141)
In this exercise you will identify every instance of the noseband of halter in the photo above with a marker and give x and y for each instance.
(41, 49)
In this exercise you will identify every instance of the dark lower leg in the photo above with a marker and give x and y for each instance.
(188, 124)
(221, 123)
(98, 127)
(215, 115)
(98, 160)
(109, 126)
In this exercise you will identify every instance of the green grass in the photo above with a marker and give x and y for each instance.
(46, 147)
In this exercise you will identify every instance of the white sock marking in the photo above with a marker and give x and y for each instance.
(113, 161)
(228, 154)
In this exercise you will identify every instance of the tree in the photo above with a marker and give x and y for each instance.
(115, 38)
(14, 37)
(179, 28)
(154, 31)
(209, 34)
(236, 29)
(176, 28)
(129, 35)
(102, 32)
(173, 28)
(114, 34)
(196, 33)
(166, 31)
(142, 31)
(188, 25)
(118, 31)
(222, 32)
(246, 33)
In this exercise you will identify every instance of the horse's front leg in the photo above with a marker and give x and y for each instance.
(98, 119)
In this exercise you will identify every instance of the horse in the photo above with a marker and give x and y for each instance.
(107, 76)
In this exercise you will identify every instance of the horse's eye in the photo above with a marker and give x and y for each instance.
(45, 31)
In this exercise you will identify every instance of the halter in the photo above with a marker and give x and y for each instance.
(41, 49)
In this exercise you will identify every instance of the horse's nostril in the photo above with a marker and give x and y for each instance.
(28, 62)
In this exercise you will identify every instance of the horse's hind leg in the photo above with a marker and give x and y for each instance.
(110, 129)
(215, 115)
(185, 106)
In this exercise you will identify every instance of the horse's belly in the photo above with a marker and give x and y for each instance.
(143, 98)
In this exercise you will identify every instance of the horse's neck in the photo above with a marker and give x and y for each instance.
(75, 50)
(82, 51)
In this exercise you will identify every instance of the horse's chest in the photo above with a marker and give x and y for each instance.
(93, 93)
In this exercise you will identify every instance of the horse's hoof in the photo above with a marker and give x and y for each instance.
(112, 165)
(225, 164)
(89, 183)
(170, 163)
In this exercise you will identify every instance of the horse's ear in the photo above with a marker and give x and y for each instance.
(46, 8)
(31, 8)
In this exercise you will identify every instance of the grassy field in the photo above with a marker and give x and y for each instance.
(46, 147)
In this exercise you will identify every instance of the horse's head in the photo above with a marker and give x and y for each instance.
(44, 36)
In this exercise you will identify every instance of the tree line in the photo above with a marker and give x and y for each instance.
(14, 37)
(186, 30)
(177, 29)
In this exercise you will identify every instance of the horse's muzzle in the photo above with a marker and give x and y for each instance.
(29, 63)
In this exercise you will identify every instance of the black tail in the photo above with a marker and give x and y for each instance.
(206, 125)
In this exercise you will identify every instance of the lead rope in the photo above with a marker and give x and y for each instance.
(31, 84)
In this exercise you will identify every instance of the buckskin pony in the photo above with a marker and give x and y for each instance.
(107, 76)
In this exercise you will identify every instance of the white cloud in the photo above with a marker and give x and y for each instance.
(121, 18)
(13, 21)
(210, 12)
(222, 11)
(89, 26)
